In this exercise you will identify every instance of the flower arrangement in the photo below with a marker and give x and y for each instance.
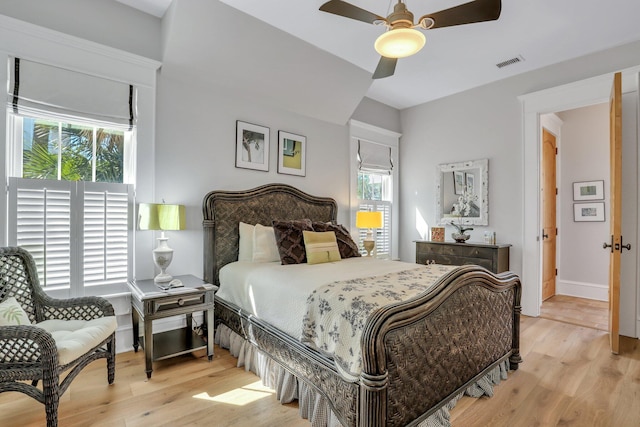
(461, 209)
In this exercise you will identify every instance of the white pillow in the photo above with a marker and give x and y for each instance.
(265, 248)
(245, 245)
(12, 314)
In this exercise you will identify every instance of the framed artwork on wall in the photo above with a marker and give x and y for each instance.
(588, 190)
(588, 212)
(291, 153)
(252, 146)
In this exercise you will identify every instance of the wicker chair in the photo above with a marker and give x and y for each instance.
(29, 352)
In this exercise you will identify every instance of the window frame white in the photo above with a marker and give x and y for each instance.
(363, 131)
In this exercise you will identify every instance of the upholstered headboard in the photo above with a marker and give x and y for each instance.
(224, 210)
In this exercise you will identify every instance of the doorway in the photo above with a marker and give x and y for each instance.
(562, 98)
(574, 159)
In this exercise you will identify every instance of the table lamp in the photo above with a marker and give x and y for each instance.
(154, 216)
(369, 220)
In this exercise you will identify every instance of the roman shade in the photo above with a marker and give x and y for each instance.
(373, 157)
(38, 90)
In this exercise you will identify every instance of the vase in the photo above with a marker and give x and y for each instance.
(460, 237)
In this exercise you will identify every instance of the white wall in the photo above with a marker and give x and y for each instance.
(583, 156)
(107, 22)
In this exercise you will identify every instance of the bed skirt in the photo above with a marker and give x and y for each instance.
(312, 405)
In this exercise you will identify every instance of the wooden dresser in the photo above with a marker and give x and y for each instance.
(492, 257)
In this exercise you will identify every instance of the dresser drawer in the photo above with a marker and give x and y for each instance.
(492, 257)
(461, 251)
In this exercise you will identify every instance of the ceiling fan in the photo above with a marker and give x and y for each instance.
(401, 38)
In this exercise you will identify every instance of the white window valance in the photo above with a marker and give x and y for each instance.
(36, 88)
(373, 157)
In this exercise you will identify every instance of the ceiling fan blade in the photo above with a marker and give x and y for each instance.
(339, 7)
(467, 13)
(386, 67)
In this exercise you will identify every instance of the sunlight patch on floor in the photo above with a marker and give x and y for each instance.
(240, 396)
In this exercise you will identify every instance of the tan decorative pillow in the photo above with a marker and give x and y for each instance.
(289, 240)
(321, 247)
(348, 248)
(11, 313)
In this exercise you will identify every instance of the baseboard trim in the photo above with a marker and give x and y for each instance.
(593, 291)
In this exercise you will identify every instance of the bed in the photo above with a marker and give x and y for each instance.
(417, 357)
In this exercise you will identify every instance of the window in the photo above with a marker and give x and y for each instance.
(374, 194)
(70, 147)
(374, 182)
(69, 206)
(375, 191)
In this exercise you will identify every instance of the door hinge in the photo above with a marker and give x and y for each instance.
(556, 231)
(556, 191)
(556, 151)
(556, 271)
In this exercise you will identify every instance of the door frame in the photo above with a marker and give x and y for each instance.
(582, 93)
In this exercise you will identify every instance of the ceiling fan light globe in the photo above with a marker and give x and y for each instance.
(400, 43)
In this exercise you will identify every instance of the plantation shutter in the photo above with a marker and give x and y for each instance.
(382, 235)
(77, 232)
(41, 223)
(41, 90)
(106, 239)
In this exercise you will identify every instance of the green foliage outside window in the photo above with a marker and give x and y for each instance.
(369, 186)
(49, 146)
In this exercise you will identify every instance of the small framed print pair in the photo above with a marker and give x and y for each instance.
(252, 149)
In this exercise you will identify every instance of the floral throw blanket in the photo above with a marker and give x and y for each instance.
(337, 312)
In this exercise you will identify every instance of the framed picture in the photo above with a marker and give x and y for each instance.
(588, 212)
(291, 153)
(588, 190)
(469, 179)
(458, 182)
(252, 146)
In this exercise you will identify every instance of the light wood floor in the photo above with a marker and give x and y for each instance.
(577, 311)
(568, 378)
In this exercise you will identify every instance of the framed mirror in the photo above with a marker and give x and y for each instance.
(462, 193)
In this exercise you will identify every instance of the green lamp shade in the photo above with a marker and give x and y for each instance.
(155, 216)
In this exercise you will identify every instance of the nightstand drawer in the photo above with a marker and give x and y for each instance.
(177, 301)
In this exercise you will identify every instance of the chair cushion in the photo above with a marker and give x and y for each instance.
(76, 337)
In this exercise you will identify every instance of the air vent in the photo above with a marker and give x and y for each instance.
(511, 61)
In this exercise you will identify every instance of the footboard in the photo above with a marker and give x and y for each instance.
(419, 354)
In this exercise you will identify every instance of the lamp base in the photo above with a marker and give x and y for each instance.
(162, 256)
(368, 246)
(162, 278)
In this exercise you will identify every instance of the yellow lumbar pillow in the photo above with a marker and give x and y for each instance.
(321, 246)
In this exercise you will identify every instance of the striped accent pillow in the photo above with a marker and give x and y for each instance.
(321, 246)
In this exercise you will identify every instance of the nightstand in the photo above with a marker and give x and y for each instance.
(150, 302)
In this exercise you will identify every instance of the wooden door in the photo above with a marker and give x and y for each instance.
(615, 130)
(549, 194)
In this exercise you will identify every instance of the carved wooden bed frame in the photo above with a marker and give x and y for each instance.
(417, 355)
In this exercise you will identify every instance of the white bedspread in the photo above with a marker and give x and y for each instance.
(278, 294)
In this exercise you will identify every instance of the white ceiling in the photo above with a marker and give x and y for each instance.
(542, 32)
